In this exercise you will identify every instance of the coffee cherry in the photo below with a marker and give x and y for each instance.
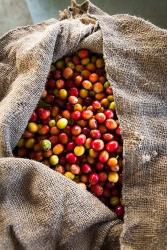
(46, 144)
(60, 64)
(62, 123)
(59, 168)
(119, 210)
(72, 99)
(54, 160)
(99, 166)
(77, 107)
(83, 53)
(113, 177)
(33, 117)
(114, 201)
(88, 143)
(63, 138)
(76, 130)
(83, 93)
(75, 169)
(87, 114)
(43, 130)
(69, 175)
(109, 113)
(108, 137)
(67, 73)
(112, 106)
(93, 77)
(73, 92)
(93, 179)
(87, 84)
(59, 84)
(112, 162)
(111, 124)
(112, 146)
(71, 158)
(79, 150)
(97, 145)
(97, 190)
(92, 153)
(100, 117)
(62, 93)
(102, 177)
(95, 134)
(21, 143)
(76, 115)
(96, 105)
(80, 139)
(82, 185)
(100, 63)
(58, 149)
(103, 157)
(70, 146)
(43, 113)
(98, 87)
(30, 143)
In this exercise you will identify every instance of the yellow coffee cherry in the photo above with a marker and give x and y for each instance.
(69, 175)
(30, 143)
(113, 177)
(79, 150)
(32, 127)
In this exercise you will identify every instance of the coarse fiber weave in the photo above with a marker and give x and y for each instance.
(41, 209)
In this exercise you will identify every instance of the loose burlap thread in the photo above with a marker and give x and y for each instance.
(41, 209)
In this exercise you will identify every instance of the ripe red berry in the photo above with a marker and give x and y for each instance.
(103, 156)
(99, 166)
(71, 158)
(83, 53)
(97, 145)
(96, 105)
(33, 117)
(73, 92)
(80, 139)
(95, 134)
(86, 168)
(108, 137)
(70, 146)
(76, 115)
(67, 73)
(76, 130)
(97, 190)
(87, 114)
(93, 178)
(102, 177)
(112, 146)
(43, 113)
(119, 210)
(63, 138)
(109, 113)
(100, 117)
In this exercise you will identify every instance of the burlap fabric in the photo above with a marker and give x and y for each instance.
(41, 209)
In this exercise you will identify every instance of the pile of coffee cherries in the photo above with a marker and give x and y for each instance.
(74, 129)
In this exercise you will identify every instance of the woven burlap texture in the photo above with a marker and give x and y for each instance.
(41, 209)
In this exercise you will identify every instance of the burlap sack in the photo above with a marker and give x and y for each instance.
(41, 209)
